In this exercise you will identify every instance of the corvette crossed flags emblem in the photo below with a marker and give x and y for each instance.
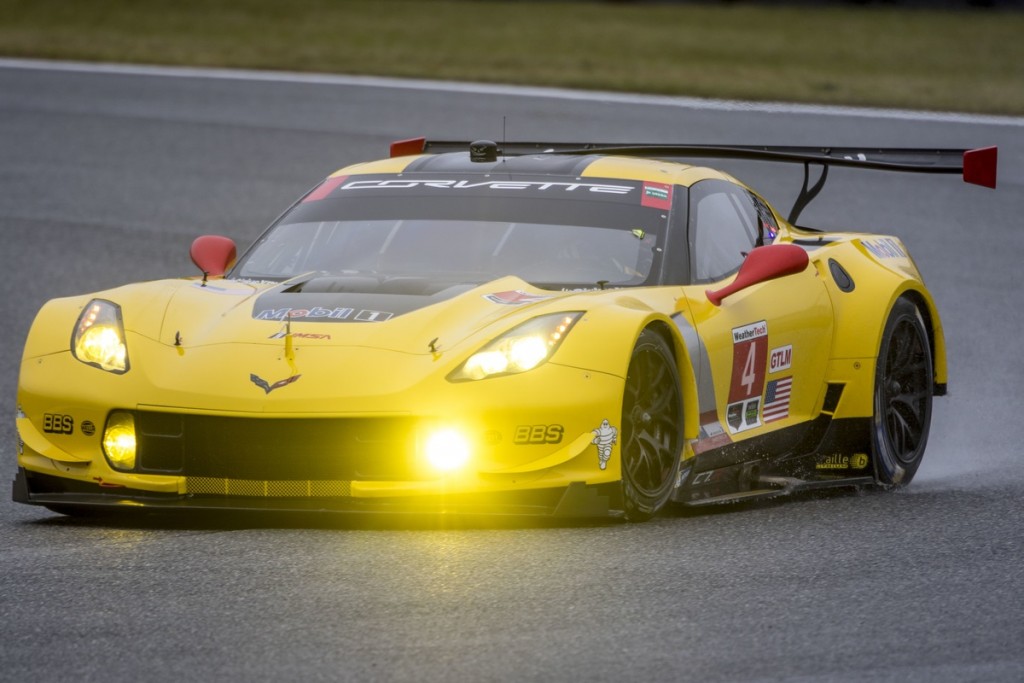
(267, 387)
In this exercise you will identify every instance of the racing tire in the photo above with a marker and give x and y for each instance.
(904, 385)
(652, 428)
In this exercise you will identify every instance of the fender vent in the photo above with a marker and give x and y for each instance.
(843, 280)
(832, 396)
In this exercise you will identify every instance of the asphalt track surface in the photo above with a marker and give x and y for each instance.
(106, 179)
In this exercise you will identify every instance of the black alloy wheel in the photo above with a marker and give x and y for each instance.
(652, 428)
(904, 385)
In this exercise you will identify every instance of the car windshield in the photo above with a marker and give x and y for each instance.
(553, 240)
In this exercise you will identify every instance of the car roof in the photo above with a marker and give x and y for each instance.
(557, 165)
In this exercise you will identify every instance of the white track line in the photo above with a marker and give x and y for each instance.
(488, 89)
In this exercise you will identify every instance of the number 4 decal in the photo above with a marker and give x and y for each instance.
(749, 361)
(749, 375)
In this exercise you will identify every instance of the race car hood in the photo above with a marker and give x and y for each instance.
(339, 312)
(290, 348)
(235, 345)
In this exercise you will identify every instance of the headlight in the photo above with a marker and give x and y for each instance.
(520, 349)
(119, 441)
(98, 338)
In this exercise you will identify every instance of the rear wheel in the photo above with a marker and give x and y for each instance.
(652, 428)
(903, 396)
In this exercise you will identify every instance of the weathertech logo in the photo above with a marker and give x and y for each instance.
(741, 334)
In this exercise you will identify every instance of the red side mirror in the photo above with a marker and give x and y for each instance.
(763, 264)
(213, 254)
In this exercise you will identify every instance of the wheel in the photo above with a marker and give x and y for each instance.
(903, 396)
(652, 428)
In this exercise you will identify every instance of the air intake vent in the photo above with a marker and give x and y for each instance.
(832, 396)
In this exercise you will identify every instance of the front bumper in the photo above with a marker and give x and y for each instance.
(577, 500)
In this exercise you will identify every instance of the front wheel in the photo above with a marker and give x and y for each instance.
(652, 428)
(903, 396)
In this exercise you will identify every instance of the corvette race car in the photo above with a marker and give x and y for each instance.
(530, 328)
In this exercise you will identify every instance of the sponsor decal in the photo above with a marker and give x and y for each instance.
(255, 283)
(323, 314)
(780, 359)
(837, 461)
(605, 437)
(885, 247)
(87, 427)
(776, 399)
(712, 434)
(373, 316)
(749, 363)
(299, 335)
(305, 313)
(439, 184)
(56, 423)
(749, 332)
(267, 387)
(657, 196)
(515, 297)
(743, 415)
(538, 434)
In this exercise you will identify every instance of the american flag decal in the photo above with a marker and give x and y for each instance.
(776, 399)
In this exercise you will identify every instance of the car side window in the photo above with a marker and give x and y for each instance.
(723, 228)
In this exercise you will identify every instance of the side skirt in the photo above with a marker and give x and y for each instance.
(824, 453)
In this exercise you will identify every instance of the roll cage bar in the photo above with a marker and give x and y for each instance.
(977, 166)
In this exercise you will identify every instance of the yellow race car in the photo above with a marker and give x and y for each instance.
(531, 328)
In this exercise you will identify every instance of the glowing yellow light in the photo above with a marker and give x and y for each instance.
(101, 344)
(486, 363)
(99, 337)
(119, 441)
(447, 450)
(522, 348)
(527, 352)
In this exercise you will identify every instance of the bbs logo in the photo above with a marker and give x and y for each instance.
(534, 434)
(55, 423)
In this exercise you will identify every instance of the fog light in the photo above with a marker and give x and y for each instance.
(447, 450)
(119, 441)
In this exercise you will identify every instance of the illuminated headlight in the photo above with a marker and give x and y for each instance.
(520, 349)
(447, 450)
(119, 441)
(98, 338)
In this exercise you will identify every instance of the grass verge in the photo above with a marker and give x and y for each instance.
(970, 61)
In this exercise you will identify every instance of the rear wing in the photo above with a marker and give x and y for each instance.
(976, 166)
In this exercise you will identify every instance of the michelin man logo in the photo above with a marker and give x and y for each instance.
(604, 438)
